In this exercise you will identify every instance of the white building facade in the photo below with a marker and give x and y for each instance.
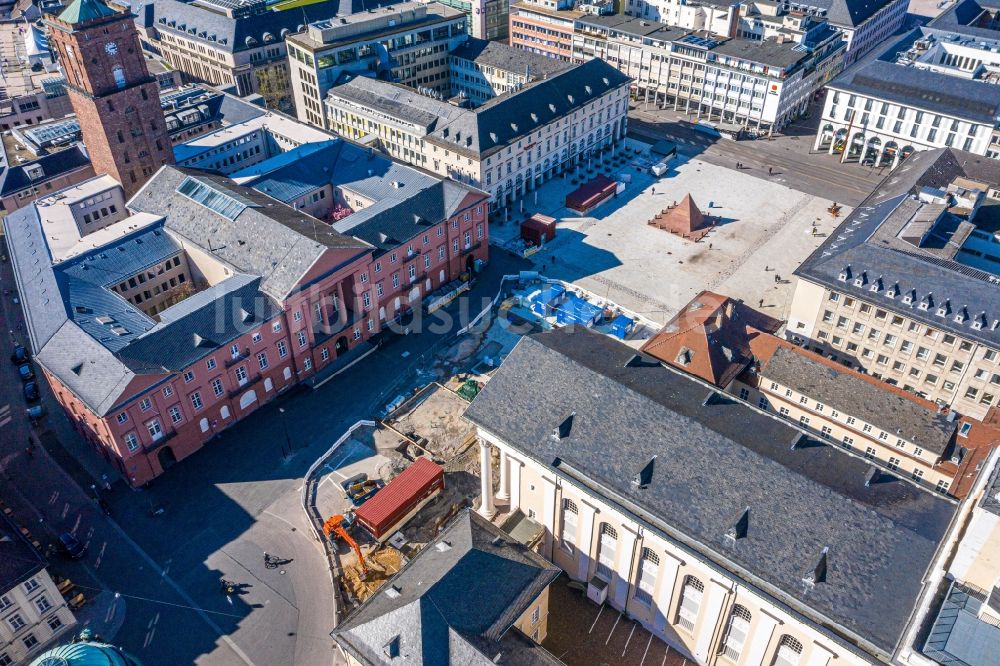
(408, 42)
(760, 87)
(925, 91)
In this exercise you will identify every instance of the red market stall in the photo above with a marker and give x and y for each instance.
(590, 195)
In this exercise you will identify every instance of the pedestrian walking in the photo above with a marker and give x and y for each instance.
(761, 304)
(654, 190)
(709, 246)
(770, 171)
(28, 450)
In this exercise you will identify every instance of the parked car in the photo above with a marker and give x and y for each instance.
(19, 356)
(25, 371)
(72, 546)
(31, 392)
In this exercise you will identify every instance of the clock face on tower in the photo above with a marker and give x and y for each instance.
(111, 48)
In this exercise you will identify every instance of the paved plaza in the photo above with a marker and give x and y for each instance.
(764, 230)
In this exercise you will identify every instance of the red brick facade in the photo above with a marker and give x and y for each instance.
(116, 100)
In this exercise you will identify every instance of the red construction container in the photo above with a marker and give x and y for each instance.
(538, 229)
(401, 498)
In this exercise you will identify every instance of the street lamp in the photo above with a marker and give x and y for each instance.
(284, 426)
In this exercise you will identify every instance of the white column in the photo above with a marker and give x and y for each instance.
(486, 509)
(715, 597)
(819, 139)
(586, 542)
(819, 655)
(666, 581)
(504, 493)
(623, 567)
(515, 482)
(761, 632)
(833, 143)
(549, 514)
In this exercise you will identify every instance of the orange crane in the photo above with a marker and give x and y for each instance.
(334, 526)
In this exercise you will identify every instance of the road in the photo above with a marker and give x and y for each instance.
(224, 507)
(788, 156)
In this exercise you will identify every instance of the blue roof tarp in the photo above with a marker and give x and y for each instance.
(622, 326)
(545, 302)
(578, 311)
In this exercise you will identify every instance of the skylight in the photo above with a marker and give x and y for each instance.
(227, 204)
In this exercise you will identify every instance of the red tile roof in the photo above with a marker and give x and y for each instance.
(709, 338)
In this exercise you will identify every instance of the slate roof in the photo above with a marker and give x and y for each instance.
(959, 18)
(84, 281)
(201, 324)
(44, 311)
(232, 34)
(715, 457)
(846, 392)
(959, 637)
(500, 121)
(273, 241)
(852, 13)
(508, 58)
(454, 602)
(18, 558)
(878, 75)
(406, 200)
(858, 247)
(14, 178)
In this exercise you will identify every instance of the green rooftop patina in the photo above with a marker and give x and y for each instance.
(86, 650)
(80, 11)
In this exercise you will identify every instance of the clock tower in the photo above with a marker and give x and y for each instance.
(116, 101)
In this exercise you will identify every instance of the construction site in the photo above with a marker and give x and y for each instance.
(385, 491)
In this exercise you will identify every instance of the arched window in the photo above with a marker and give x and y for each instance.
(649, 565)
(788, 653)
(569, 515)
(119, 75)
(691, 593)
(606, 552)
(736, 632)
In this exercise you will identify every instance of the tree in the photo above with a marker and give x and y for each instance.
(274, 86)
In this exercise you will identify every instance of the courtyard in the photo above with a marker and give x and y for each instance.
(762, 231)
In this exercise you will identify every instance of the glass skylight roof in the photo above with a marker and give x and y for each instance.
(215, 198)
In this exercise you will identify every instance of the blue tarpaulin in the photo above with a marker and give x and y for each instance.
(546, 302)
(578, 311)
(622, 326)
